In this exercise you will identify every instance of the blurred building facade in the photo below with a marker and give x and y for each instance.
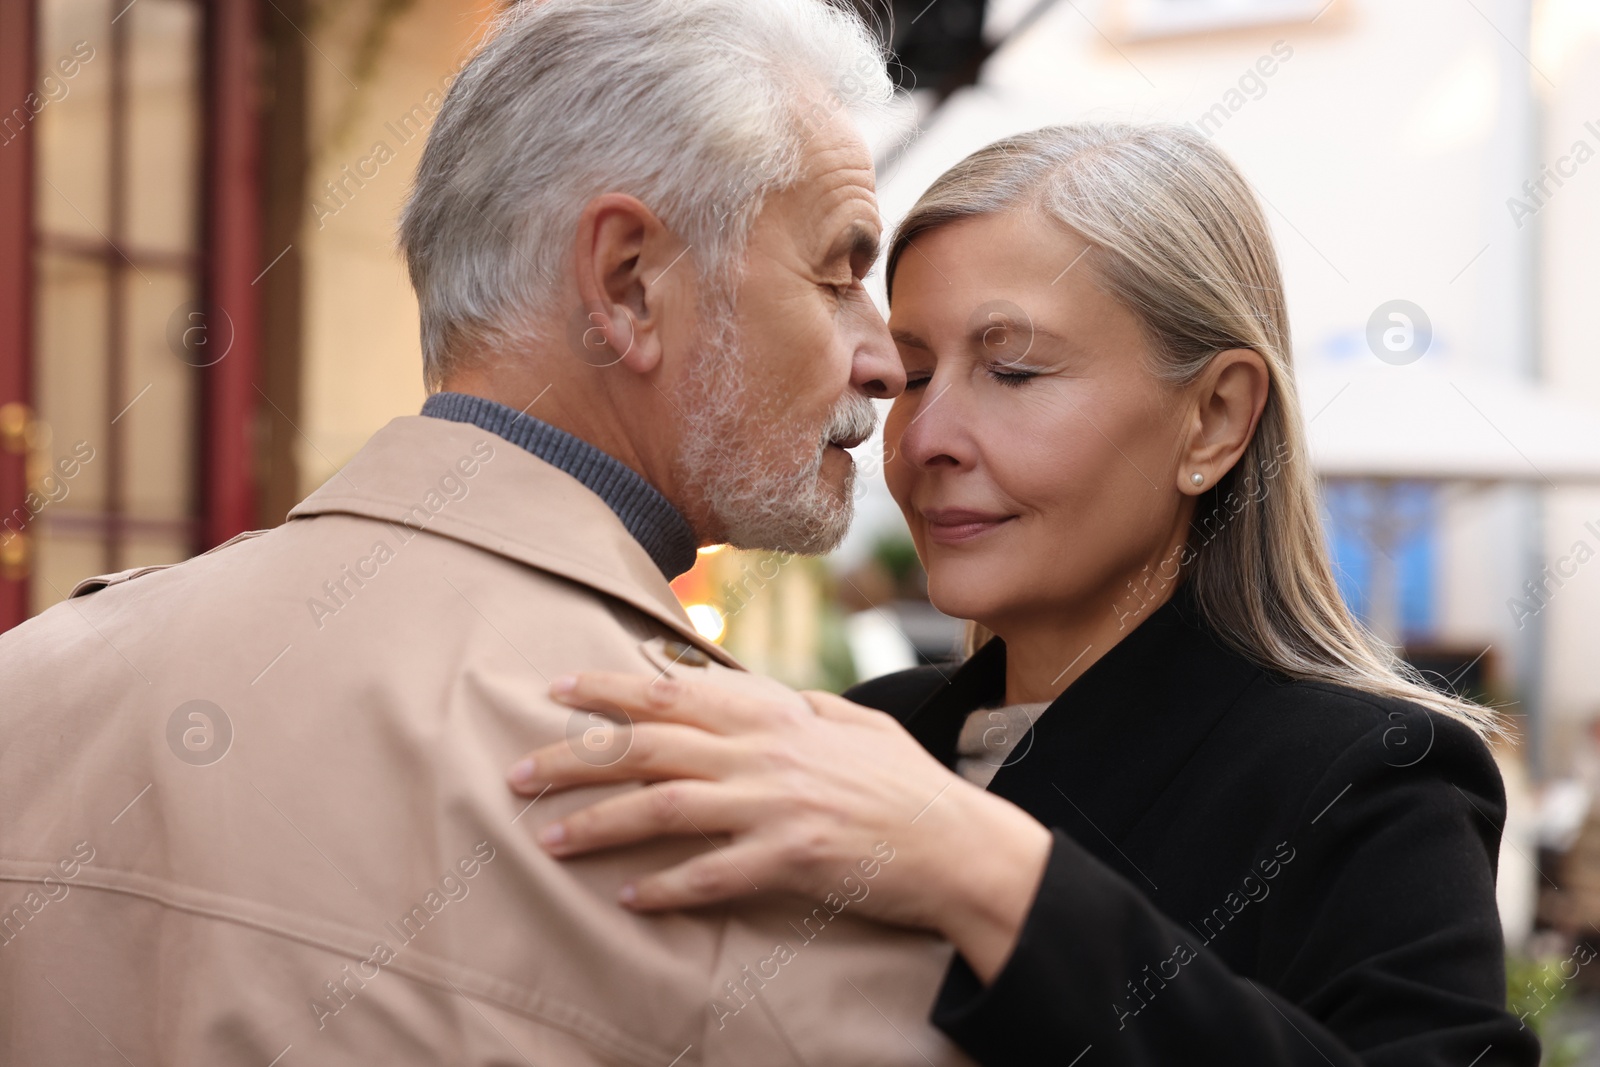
(203, 315)
(128, 158)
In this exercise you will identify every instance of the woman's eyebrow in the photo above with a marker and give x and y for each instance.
(1031, 330)
(980, 335)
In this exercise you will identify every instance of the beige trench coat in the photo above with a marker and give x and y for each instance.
(253, 811)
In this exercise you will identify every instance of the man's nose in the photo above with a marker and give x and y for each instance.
(876, 369)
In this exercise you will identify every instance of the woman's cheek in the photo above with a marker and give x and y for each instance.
(896, 471)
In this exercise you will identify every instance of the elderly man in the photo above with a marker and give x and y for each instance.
(255, 810)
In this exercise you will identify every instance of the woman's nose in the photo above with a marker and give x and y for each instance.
(938, 432)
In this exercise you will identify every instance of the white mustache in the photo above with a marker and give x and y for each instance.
(854, 419)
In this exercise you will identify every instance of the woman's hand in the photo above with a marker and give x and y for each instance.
(812, 789)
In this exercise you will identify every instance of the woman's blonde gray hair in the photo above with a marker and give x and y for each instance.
(1178, 237)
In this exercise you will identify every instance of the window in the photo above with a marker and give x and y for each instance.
(1382, 537)
(116, 255)
(128, 210)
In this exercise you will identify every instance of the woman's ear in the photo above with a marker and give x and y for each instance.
(1228, 399)
(618, 244)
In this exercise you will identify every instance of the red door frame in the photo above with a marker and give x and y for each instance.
(18, 45)
(231, 264)
(230, 396)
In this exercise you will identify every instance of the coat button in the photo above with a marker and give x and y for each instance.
(687, 654)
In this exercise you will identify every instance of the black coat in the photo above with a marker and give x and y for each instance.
(1247, 871)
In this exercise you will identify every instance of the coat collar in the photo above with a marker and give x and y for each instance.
(1107, 747)
(515, 505)
(649, 516)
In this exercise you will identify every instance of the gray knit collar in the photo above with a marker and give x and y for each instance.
(650, 517)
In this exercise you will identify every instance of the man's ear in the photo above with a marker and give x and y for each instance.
(1228, 400)
(618, 245)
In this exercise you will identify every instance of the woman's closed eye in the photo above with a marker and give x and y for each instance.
(1009, 375)
(1003, 373)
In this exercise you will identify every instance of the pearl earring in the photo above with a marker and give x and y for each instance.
(1197, 478)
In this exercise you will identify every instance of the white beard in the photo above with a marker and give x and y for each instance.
(761, 502)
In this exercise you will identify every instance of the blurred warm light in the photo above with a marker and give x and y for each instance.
(1562, 30)
(711, 550)
(707, 620)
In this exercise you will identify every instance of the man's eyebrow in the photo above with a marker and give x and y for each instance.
(858, 241)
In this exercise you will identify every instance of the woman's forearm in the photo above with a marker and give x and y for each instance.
(987, 884)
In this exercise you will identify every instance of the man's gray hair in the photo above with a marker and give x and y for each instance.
(700, 108)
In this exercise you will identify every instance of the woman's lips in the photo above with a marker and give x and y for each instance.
(955, 526)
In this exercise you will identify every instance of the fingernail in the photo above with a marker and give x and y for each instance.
(627, 894)
(522, 772)
(553, 834)
(565, 684)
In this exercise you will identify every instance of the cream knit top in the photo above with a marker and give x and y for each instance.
(989, 740)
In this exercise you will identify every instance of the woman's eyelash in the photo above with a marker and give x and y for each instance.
(1010, 377)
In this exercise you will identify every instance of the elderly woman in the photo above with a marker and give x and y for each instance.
(1176, 805)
